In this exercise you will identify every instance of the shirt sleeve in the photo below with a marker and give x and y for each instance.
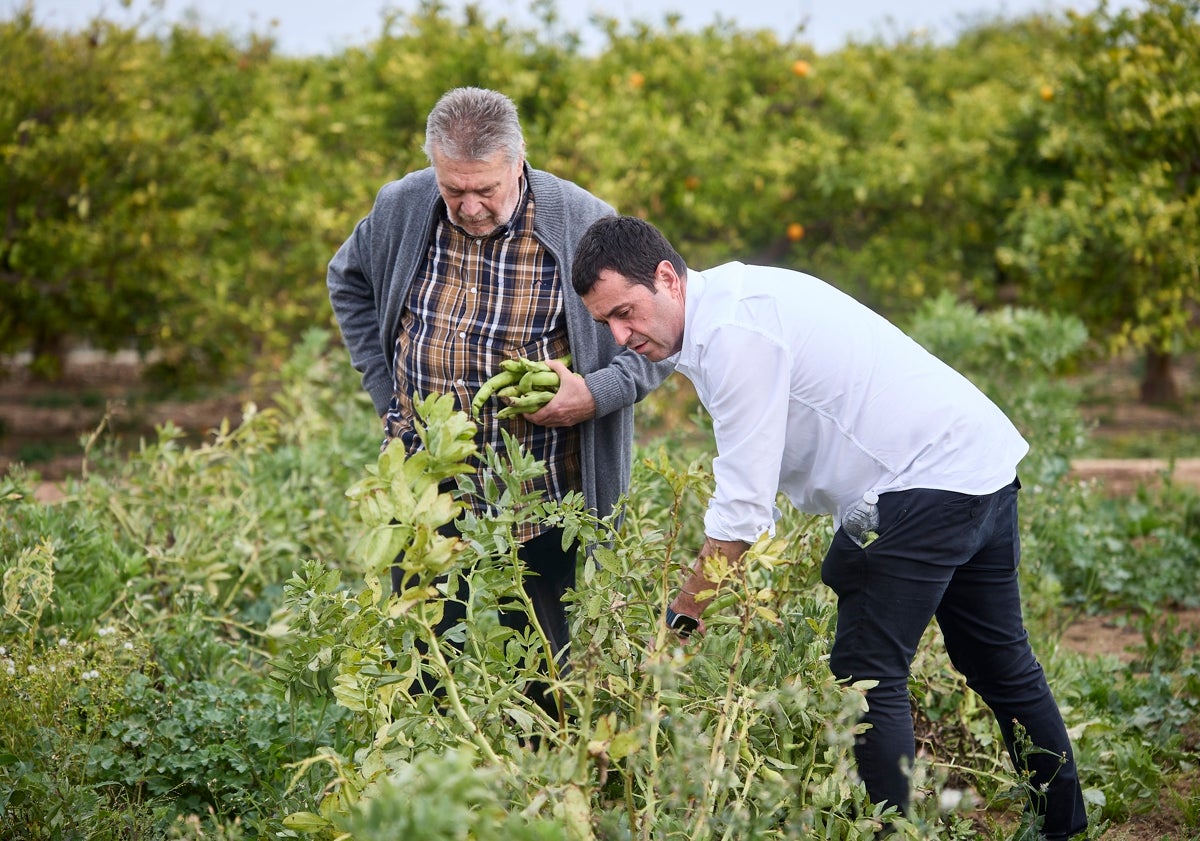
(747, 378)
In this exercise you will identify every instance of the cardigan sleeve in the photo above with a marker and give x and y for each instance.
(369, 276)
(616, 376)
(353, 295)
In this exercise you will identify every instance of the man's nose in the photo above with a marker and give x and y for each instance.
(471, 206)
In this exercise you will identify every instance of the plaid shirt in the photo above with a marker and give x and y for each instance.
(475, 302)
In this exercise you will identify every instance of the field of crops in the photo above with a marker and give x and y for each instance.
(197, 636)
(197, 644)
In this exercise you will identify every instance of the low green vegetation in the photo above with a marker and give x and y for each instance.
(198, 641)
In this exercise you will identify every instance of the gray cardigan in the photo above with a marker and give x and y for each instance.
(370, 275)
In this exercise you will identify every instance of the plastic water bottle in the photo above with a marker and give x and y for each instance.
(861, 521)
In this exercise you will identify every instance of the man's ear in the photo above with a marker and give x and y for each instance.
(665, 274)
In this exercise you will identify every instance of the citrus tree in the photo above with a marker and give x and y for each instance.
(709, 170)
(876, 166)
(256, 203)
(181, 193)
(910, 163)
(1114, 234)
(88, 231)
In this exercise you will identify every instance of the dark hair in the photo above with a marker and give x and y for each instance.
(472, 124)
(629, 246)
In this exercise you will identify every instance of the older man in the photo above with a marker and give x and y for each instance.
(464, 264)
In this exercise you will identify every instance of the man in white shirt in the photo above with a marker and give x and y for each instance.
(815, 396)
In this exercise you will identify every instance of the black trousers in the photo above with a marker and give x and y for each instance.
(954, 557)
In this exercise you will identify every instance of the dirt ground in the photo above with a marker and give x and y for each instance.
(44, 425)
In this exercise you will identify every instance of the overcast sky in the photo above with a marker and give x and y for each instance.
(323, 26)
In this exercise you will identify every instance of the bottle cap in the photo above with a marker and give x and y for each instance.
(870, 497)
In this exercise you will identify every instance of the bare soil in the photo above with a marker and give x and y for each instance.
(43, 424)
(1118, 415)
(46, 426)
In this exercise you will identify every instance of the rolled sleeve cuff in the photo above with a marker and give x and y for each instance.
(746, 526)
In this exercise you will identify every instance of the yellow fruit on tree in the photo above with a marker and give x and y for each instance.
(795, 232)
(636, 79)
(801, 67)
(1047, 93)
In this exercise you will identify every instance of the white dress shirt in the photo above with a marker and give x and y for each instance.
(814, 395)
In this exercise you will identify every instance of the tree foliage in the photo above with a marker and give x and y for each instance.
(180, 192)
(90, 163)
(1112, 234)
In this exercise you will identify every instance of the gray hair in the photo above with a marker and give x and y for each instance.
(472, 124)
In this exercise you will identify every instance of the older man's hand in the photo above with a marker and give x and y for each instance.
(573, 404)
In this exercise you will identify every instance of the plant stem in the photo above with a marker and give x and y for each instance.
(453, 698)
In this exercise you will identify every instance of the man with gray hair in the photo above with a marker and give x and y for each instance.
(462, 265)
